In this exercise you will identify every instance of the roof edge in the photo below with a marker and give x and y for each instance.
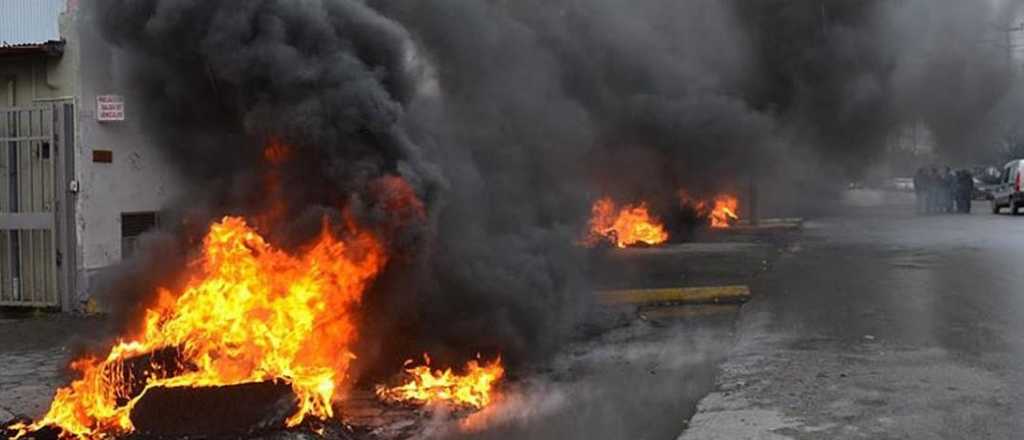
(53, 48)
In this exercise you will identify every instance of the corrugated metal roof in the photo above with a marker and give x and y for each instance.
(28, 22)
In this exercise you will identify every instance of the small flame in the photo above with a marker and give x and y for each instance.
(626, 226)
(425, 386)
(725, 212)
(276, 152)
(724, 209)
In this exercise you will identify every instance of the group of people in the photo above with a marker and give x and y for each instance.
(943, 190)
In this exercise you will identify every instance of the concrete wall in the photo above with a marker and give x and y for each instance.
(137, 179)
(25, 80)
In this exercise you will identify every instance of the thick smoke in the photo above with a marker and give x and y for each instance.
(336, 82)
(508, 118)
(843, 77)
(539, 108)
(221, 82)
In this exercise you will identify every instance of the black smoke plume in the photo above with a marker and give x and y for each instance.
(509, 118)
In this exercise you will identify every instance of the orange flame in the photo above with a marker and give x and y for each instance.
(628, 226)
(276, 152)
(425, 386)
(249, 312)
(725, 211)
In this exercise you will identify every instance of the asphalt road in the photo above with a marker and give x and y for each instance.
(640, 371)
(631, 373)
(880, 323)
(871, 323)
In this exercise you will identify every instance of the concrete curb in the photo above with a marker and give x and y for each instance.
(725, 414)
(680, 295)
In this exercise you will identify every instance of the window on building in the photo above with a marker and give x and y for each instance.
(132, 226)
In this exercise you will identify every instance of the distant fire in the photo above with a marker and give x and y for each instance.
(724, 214)
(471, 388)
(721, 212)
(624, 226)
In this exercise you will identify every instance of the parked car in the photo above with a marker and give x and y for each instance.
(1007, 192)
(983, 190)
(987, 174)
(986, 179)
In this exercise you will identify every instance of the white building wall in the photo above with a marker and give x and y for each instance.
(138, 178)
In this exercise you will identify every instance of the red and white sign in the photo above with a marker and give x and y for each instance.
(109, 108)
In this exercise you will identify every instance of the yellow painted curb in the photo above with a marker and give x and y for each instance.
(690, 311)
(682, 295)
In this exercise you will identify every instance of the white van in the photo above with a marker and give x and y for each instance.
(1007, 193)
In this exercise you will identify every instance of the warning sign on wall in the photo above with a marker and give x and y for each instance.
(109, 108)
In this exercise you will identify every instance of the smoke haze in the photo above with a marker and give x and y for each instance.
(508, 118)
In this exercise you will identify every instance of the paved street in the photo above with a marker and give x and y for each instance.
(34, 348)
(871, 323)
(630, 373)
(27, 381)
(880, 324)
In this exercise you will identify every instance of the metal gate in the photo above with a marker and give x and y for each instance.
(32, 189)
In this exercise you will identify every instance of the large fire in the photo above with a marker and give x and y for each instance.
(624, 226)
(425, 386)
(249, 313)
(253, 313)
